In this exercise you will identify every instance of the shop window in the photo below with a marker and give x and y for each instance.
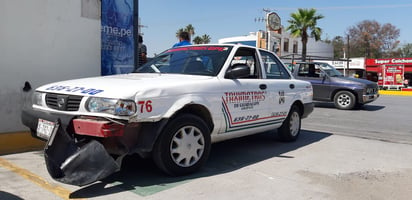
(295, 47)
(286, 45)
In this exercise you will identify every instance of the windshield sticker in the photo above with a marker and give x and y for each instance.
(82, 90)
(202, 48)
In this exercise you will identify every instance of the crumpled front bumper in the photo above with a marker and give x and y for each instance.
(80, 163)
(77, 163)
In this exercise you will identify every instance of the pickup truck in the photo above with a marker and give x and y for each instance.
(170, 109)
(331, 86)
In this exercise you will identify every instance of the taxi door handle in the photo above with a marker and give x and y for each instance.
(262, 86)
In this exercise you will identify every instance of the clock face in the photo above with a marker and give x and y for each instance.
(273, 21)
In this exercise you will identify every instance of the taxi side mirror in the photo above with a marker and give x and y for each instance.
(238, 71)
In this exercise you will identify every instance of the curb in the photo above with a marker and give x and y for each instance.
(395, 92)
(17, 142)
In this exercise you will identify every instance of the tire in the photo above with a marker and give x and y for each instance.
(344, 100)
(183, 146)
(290, 129)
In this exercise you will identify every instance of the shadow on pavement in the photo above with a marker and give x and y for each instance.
(8, 196)
(141, 176)
(366, 107)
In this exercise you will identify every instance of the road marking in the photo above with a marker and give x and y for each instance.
(57, 190)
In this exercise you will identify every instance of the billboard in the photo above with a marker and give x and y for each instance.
(117, 49)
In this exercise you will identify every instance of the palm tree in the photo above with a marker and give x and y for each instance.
(190, 29)
(206, 39)
(303, 21)
(179, 31)
(197, 40)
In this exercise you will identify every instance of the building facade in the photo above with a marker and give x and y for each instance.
(41, 42)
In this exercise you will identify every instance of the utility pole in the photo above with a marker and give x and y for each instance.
(347, 61)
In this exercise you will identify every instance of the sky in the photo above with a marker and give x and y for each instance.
(229, 18)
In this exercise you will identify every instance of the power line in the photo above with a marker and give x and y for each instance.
(352, 7)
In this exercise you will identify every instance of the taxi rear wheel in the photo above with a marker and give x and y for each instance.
(290, 129)
(183, 146)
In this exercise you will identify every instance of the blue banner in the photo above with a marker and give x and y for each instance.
(117, 49)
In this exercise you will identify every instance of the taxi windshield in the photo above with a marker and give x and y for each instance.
(193, 60)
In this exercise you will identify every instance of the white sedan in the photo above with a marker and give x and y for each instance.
(171, 109)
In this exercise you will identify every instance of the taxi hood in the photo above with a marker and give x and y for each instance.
(121, 86)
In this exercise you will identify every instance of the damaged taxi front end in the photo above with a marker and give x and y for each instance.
(81, 148)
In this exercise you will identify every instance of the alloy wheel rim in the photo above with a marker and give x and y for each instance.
(344, 100)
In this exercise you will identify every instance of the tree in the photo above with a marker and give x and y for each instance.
(372, 40)
(179, 31)
(406, 51)
(204, 39)
(189, 28)
(303, 23)
(339, 49)
(197, 40)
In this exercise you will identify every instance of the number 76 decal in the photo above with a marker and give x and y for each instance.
(145, 106)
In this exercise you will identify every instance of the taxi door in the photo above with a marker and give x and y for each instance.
(280, 85)
(246, 101)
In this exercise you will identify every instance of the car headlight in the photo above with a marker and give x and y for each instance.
(111, 106)
(37, 98)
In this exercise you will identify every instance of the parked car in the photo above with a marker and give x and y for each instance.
(332, 86)
(171, 109)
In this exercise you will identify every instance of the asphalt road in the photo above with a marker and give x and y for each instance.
(358, 154)
(389, 118)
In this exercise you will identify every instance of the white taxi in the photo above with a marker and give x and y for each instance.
(172, 109)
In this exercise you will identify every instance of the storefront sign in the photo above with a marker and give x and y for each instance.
(389, 61)
(354, 63)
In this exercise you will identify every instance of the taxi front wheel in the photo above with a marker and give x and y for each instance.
(183, 146)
